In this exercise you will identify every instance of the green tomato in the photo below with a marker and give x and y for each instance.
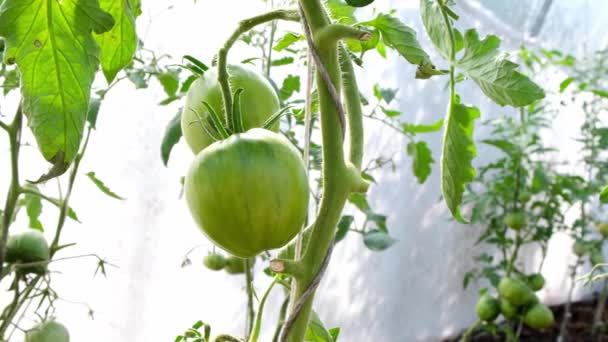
(248, 193)
(487, 308)
(516, 220)
(596, 257)
(49, 331)
(28, 247)
(515, 291)
(214, 261)
(525, 196)
(507, 309)
(359, 3)
(235, 265)
(259, 102)
(539, 316)
(580, 248)
(603, 229)
(536, 281)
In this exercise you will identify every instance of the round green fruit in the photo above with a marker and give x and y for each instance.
(536, 281)
(507, 309)
(525, 196)
(603, 229)
(214, 261)
(515, 291)
(235, 265)
(359, 3)
(248, 193)
(516, 220)
(49, 331)
(580, 248)
(539, 316)
(28, 247)
(259, 102)
(487, 308)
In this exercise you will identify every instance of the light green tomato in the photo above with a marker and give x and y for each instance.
(258, 103)
(248, 193)
(49, 331)
(603, 229)
(28, 247)
(487, 308)
(539, 316)
(536, 281)
(507, 309)
(515, 291)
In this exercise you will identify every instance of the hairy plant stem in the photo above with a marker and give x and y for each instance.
(14, 135)
(222, 60)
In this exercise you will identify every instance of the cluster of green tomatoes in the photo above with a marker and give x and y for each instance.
(29, 253)
(247, 187)
(516, 299)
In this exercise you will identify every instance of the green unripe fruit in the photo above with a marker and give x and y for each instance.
(28, 247)
(580, 248)
(596, 257)
(515, 291)
(525, 196)
(516, 220)
(507, 309)
(602, 228)
(214, 262)
(49, 331)
(235, 265)
(359, 3)
(487, 308)
(536, 281)
(539, 316)
(228, 338)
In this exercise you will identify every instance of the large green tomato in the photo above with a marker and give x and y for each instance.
(28, 247)
(515, 220)
(515, 291)
(536, 281)
(539, 316)
(49, 331)
(487, 308)
(507, 309)
(248, 193)
(258, 102)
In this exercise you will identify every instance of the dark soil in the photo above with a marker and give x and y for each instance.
(579, 327)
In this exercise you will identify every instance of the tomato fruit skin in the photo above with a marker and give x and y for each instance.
(214, 262)
(235, 265)
(487, 308)
(359, 3)
(259, 102)
(248, 193)
(525, 196)
(603, 229)
(536, 281)
(539, 316)
(28, 247)
(507, 309)
(516, 220)
(49, 331)
(515, 291)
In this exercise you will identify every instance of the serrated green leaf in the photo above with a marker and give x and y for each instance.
(457, 154)
(287, 40)
(316, 331)
(173, 133)
(495, 75)
(422, 160)
(378, 240)
(341, 12)
(282, 61)
(33, 208)
(170, 81)
(415, 129)
(386, 94)
(400, 37)
(503, 145)
(52, 43)
(360, 201)
(118, 45)
(436, 27)
(291, 85)
(101, 186)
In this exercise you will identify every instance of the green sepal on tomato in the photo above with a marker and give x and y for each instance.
(259, 102)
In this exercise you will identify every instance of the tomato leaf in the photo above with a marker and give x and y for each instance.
(343, 226)
(173, 133)
(94, 105)
(341, 12)
(400, 37)
(287, 40)
(170, 81)
(101, 186)
(494, 74)
(316, 331)
(118, 45)
(414, 129)
(565, 83)
(291, 85)
(386, 94)
(378, 240)
(52, 43)
(604, 195)
(422, 160)
(457, 155)
(600, 93)
(436, 27)
(33, 208)
(282, 61)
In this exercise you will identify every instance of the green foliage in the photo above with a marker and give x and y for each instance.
(101, 186)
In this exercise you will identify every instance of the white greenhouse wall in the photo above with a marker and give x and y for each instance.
(411, 292)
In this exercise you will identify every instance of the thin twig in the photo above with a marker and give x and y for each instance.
(307, 293)
(335, 95)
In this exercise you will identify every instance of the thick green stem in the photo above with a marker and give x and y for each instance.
(352, 101)
(249, 287)
(14, 134)
(222, 64)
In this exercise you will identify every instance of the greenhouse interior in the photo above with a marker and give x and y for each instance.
(303, 170)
